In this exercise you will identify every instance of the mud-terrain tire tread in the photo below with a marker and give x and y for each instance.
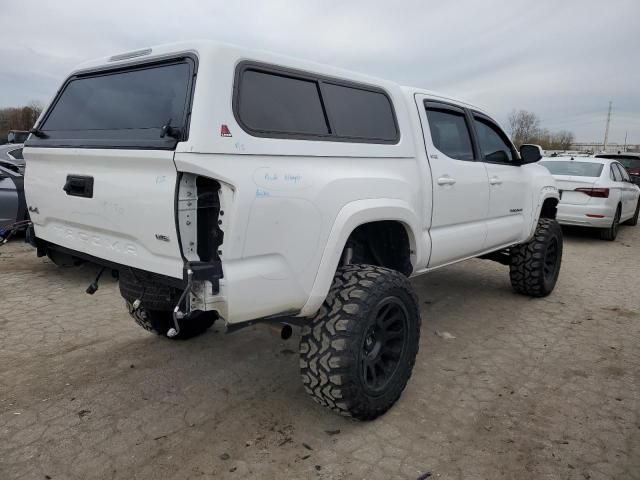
(633, 221)
(527, 261)
(161, 321)
(153, 295)
(331, 342)
(157, 304)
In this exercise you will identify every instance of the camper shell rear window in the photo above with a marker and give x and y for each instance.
(146, 106)
(275, 102)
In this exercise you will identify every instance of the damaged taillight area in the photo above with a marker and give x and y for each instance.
(199, 218)
(199, 226)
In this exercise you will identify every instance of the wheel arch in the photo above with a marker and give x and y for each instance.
(547, 207)
(351, 217)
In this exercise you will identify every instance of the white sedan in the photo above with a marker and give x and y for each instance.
(595, 192)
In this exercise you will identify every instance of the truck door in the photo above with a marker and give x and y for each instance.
(460, 185)
(510, 200)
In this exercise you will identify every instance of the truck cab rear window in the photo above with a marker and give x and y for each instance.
(282, 104)
(123, 108)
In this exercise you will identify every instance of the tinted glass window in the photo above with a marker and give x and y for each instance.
(630, 162)
(573, 168)
(275, 103)
(137, 99)
(493, 145)
(359, 113)
(121, 109)
(450, 133)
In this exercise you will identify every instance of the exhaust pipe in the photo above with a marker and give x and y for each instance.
(282, 330)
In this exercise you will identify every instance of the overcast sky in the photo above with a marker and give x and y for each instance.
(563, 60)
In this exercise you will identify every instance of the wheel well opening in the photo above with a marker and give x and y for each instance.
(549, 208)
(384, 244)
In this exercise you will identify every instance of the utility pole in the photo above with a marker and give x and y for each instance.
(606, 131)
(625, 141)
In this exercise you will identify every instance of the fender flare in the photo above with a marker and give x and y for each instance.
(350, 217)
(546, 193)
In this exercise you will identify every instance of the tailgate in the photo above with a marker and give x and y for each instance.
(129, 217)
(100, 175)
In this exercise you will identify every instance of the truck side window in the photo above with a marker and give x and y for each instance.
(277, 103)
(280, 103)
(358, 113)
(450, 133)
(493, 145)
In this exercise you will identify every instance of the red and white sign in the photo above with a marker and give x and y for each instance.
(224, 131)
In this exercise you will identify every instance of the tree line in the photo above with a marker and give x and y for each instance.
(18, 118)
(525, 128)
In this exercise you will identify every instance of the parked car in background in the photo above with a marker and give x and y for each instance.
(17, 136)
(595, 192)
(13, 207)
(11, 157)
(630, 161)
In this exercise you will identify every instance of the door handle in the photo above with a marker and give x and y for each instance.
(446, 180)
(495, 181)
(79, 186)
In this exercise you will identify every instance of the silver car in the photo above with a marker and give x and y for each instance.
(13, 207)
(596, 192)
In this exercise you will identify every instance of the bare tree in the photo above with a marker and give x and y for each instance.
(21, 118)
(524, 126)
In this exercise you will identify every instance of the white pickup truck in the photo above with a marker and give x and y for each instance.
(225, 183)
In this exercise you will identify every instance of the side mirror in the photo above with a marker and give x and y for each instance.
(530, 153)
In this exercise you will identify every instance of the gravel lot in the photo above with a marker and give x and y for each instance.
(527, 389)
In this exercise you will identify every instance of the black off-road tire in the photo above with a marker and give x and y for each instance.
(535, 265)
(161, 321)
(155, 313)
(611, 233)
(633, 221)
(367, 306)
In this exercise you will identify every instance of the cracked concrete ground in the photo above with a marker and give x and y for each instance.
(528, 388)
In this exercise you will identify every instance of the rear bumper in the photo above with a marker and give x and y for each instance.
(202, 271)
(577, 215)
(251, 288)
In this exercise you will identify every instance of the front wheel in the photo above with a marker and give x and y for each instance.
(357, 354)
(535, 265)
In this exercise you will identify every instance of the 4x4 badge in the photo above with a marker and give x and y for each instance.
(224, 131)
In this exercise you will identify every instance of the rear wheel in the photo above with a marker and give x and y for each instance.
(611, 233)
(357, 354)
(633, 221)
(535, 265)
(157, 301)
(161, 321)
